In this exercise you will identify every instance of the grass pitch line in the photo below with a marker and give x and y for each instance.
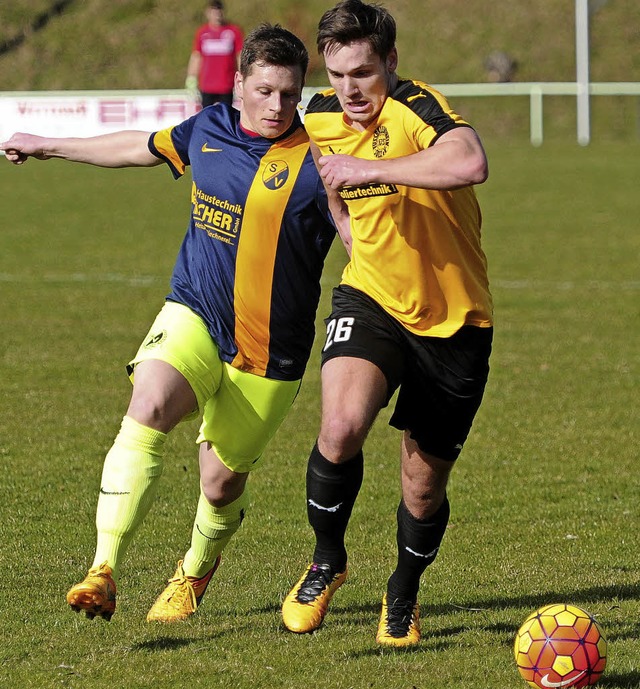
(74, 278)
(566, 285)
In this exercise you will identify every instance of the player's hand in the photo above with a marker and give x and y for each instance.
(191, 86)
(22, 146)
(339, 170)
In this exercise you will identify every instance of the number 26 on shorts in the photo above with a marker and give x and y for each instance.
(338, 330)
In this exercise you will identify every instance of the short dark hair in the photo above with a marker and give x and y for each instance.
(354, 20)
(216, 5)
(272, 44)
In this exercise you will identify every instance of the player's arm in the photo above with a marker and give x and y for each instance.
(337, 207)
(340, 214)
(117, 149)
(457, 159)
(193, 70)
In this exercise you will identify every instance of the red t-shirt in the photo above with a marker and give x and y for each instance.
(219, 47)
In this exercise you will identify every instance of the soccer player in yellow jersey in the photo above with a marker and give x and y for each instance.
(413, 310)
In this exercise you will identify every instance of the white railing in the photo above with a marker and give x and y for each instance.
(84, 113)
(537, 90)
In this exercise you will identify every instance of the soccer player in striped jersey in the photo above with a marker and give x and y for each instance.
(413, 311)
(233, 338)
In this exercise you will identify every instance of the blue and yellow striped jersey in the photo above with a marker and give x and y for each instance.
(258, 235)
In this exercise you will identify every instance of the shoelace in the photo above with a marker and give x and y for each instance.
(181, 589)
(317, 579)
(102, 570)
(399, 617)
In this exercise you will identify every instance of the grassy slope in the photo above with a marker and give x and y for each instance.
(145, 43)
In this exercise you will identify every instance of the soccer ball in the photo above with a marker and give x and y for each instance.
(560, 646)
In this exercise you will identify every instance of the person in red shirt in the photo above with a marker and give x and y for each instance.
(214, 58)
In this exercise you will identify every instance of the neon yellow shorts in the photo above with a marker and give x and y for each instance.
(240, 411)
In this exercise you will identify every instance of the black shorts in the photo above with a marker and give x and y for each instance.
(211, 98)
(441, 380)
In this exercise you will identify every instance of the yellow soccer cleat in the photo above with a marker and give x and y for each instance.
(399, 623)
(306, 605)
(182, 596)
(96, 594)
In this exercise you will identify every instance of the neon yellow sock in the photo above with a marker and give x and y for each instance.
(130, 474)
(212, 530)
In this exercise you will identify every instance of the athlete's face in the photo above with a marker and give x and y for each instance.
(361, 79)
(269, 97)
(215, 16)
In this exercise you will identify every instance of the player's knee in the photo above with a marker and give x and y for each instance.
(219, 484)
(214, 494)
(341, 437)
(423, 498)
(219, 492)
(151, 410)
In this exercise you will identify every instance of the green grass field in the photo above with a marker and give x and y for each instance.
(544, 498)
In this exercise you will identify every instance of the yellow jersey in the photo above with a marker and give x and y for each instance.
(416, 252)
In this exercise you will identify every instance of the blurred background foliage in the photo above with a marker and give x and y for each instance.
(145, 44)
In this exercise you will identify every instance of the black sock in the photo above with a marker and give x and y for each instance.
(331, 493)
(418, 544)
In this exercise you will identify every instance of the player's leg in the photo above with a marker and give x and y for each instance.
(221, 508)
(161, 397)
(360, 361)
(439, 397)
(353, 391)
(238, 423)
(422, 517)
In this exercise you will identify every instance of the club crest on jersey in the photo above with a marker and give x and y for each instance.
(380, 141)
(275, 174)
